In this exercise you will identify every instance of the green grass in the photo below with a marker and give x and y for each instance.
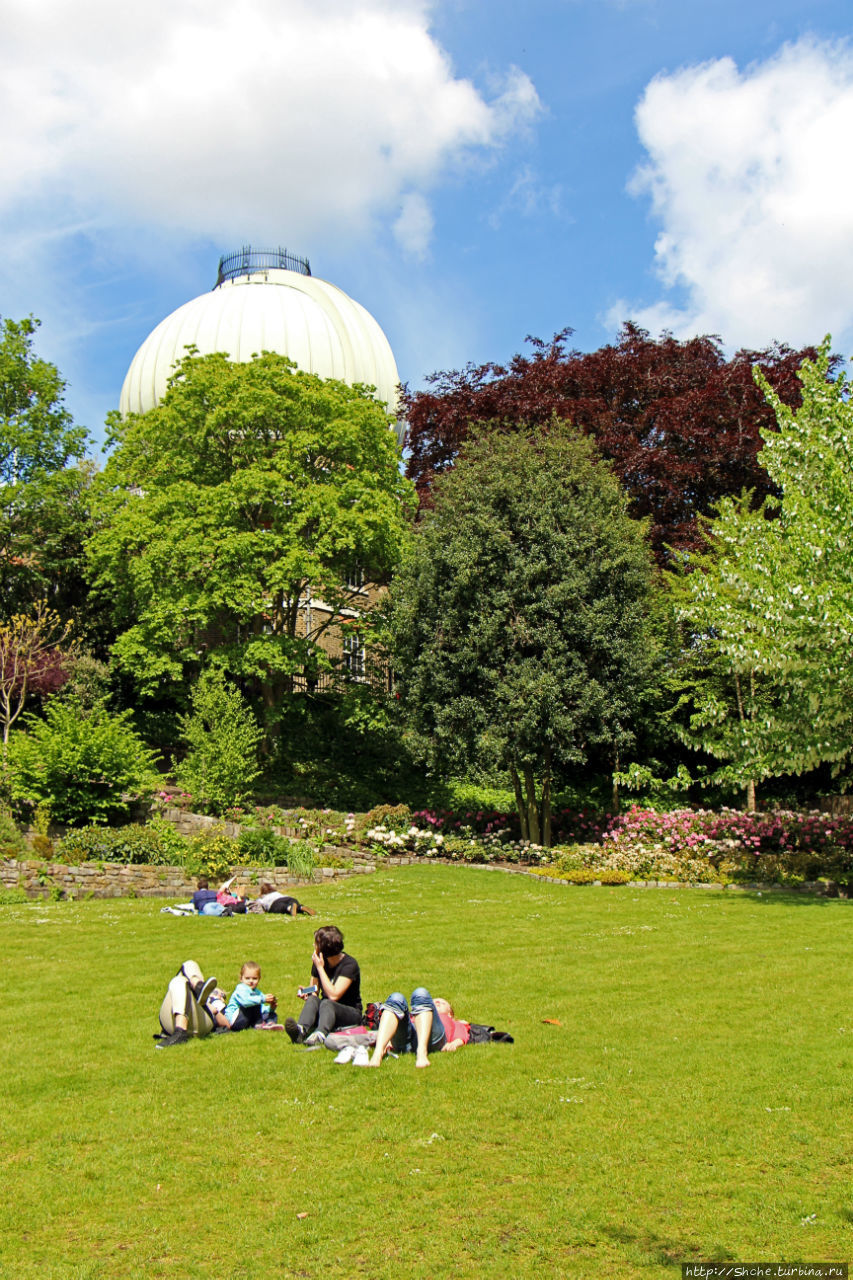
(693, 1105)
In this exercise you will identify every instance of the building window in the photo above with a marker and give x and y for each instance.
(354, 578)
(354, 657)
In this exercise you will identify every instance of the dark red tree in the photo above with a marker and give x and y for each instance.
(679, 421)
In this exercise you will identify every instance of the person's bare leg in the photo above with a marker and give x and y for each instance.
(423, 1027)
(388, 1024)
(294, 907)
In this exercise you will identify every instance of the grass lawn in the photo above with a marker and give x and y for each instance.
(694, 1103)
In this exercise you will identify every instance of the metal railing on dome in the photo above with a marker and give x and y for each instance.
(249, 260)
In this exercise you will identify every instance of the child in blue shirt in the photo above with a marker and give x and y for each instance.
(249, 1007)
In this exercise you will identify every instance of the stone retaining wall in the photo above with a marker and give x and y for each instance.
(113, 880)
(108, 880)
(191, 824)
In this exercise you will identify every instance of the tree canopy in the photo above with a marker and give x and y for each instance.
(520, 613)
(774, 598)
(224, 515)
(43, 479)
(679, 421)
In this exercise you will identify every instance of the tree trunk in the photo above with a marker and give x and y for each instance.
(519, 802)
(750, 796)
(614, 795)
(532, 809)
(547, 838)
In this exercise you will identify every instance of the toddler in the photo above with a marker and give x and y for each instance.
(249, 1007)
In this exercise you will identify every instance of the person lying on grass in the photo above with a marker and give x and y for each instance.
(187, 991)
(247, 1006)
(207, 901)
(203, 894)
(333, 995)
(429, 1027)
(276, 903)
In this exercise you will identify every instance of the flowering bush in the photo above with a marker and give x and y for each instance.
(172, 798)
(705, 846)
(414, 840)
(583, 875)
(568, 825)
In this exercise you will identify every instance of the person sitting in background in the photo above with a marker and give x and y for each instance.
(235, 903)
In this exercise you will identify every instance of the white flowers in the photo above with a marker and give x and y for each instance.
(415, 840)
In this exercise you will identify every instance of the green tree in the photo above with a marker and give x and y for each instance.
(43, 479)
(521, 630)
(773, 599)
(230, 519)
(222, 738)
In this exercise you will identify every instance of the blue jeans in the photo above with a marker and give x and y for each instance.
(405, 1038)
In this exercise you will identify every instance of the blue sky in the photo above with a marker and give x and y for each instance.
(472, 171)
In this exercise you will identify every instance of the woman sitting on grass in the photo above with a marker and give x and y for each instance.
(430, 1026)
(333, 996)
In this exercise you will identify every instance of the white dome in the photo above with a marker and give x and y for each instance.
(314, 323)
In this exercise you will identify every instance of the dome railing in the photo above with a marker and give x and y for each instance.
(249, 260)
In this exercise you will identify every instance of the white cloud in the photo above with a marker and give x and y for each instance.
(529, 197)
(749, 177)
(413, 228)
(236, 118)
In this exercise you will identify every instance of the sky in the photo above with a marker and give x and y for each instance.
(471, 171)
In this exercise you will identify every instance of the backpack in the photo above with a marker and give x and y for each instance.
(372, 1014)
(481, 1034)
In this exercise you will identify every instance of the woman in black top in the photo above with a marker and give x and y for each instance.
(333, 997)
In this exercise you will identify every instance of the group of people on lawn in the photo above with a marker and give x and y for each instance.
(221, 901)
(331, 1002)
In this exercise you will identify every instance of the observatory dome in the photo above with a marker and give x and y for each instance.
(267, 301)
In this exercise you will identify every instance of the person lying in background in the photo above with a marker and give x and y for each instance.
(276, 903)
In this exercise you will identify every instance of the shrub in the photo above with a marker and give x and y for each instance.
(223, 739)
(156, 843)
(393, 816)
(213, 854)
(583, 875)
(333, 860)
(89, 766)
(261, 846)
(42, 845)
(12, 842)
(706, 846)
(301, 858)
(13, 897)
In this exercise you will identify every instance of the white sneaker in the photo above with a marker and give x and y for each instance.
(346, 1054)
(315, 1040)
(360, 1056)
